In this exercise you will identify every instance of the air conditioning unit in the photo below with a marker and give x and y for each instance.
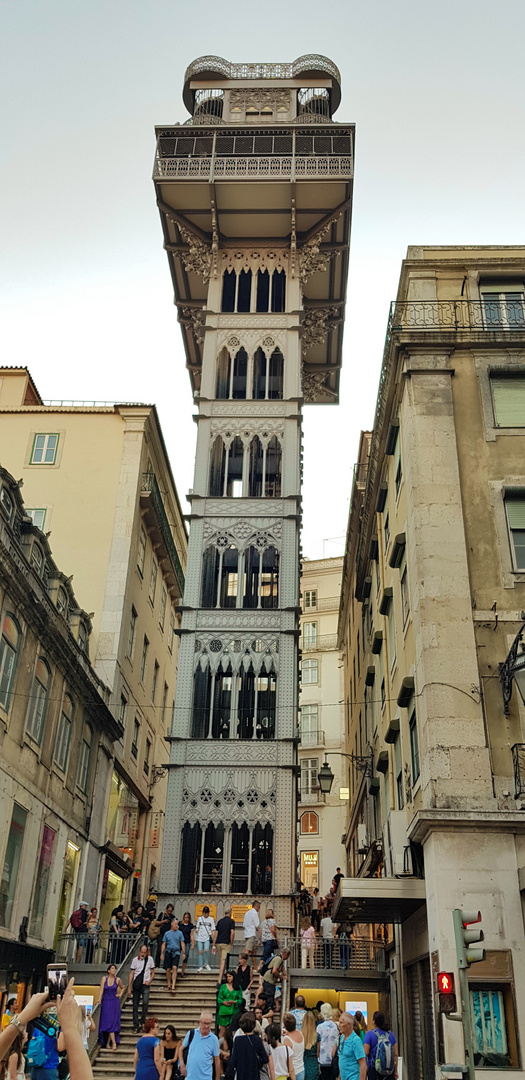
(396, 845)
(362, 840)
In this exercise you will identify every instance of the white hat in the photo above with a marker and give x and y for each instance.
(83, 903)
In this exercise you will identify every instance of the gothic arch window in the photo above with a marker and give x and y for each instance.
(227, 705)
(268, 375)
(278, 290)
(212, 704)
(244, 291)
(261, 582)
(224, 858)
(220, 577)
(264, 468)
(213, 859)
(272, 472)
(269, 291)
(229, 288)
(231, 376)
(217, 467)
(190, 858)
(256, 468)
(224, 374)
(240, 860)
(263, 290)
(235, 468)
(262, 859)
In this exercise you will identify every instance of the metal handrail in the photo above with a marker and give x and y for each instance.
(456, 315)
(320, 644)
(339, 954)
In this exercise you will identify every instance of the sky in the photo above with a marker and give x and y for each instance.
(435, 91)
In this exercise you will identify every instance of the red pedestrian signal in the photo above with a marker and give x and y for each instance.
(445, 982)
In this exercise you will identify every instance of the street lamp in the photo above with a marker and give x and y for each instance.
(513, 669)
(325, 776)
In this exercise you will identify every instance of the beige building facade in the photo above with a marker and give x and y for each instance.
(434, 588)
(57, 743)
(98, 478)
(322, 818)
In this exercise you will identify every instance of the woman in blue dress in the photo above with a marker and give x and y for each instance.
(148, 1054)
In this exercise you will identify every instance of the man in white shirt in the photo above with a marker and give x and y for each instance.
(327, 930)
(252, 928)
(141, 976)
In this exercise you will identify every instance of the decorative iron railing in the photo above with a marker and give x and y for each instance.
(254, 168)
(312, 738)
(339, 954)
(455, 315)
(149, 484)
(309, 62)
(322, 643)
(97, 948)
(518, 760)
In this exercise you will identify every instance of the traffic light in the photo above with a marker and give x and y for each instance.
(445, 989)
(465, 937)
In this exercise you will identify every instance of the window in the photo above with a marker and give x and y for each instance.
(83, 636)
(8, 656)
(141, 552)
(310, 600)
(163, 601)
(44, 450)
(309, 823)
(155, 681)
(398, 767)
(309, 781)
(153, 580)
(508, 397)
(6, 503)
(147, 756)
(309, 725)
(383, 694)
(136, 737)
(64, 732)
(492, 1007)
(309, 672)
(309, 634)
(399, 476)
(38, 517)
(387, 531)
(36, 558)
(11, 863)
(122, 709)
(85, 754)
(131, 633)
(144, 657)
(515, 507)
(43, 875)
(38, 701)
(503, 307)
(62, 603)
(391, 630)
(171, 637)
(268, 375)
(414, 746)
(231, 375)
(405, 597)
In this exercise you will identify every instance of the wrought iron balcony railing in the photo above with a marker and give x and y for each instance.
(322, 643)
(307, 63)
(312, 738)
(456, 315)
(518, 760)
(339, 954)
(335, 167)
(150, 486)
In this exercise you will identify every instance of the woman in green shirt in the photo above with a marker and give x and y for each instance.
(229, 1001)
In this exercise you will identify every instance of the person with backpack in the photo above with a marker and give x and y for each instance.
(42, 1056)
(78, 922)
(199, 1057)
(381, 1050)
(351, 1055)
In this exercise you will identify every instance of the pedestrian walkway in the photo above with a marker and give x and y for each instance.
(195, 992)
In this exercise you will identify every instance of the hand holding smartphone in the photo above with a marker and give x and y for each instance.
(56, 980)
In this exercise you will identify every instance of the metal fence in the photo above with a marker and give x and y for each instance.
(100, 948)
(339, 954)
(456, 315)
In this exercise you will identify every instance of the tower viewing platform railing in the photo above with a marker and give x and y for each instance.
(267, 167)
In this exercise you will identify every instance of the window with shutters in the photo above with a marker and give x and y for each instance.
(310, 600)
(309, 635)
(309, 672)
(503, 306)
(309, 781)
(508, 399)
(515, 508)
(38, 700)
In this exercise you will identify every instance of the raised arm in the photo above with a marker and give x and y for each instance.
(34, 1007)
(68, 1014)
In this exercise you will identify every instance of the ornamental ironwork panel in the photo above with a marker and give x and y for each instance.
(518, 760)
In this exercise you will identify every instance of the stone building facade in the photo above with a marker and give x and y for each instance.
(259, 276)
(433, 598)
(57, 744)
(97, 475)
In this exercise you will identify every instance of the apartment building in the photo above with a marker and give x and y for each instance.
(57, 744)
(96, 476)
(322, 818)
(431, 625)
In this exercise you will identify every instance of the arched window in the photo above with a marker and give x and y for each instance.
(256, 468)
(229, 284)
(190, 858)
(213, 861)
(278, 290)
(261, 584)
(217, 467)
(8, 657)
(220, 577)
(240, 367)
(85, 754)
(64, 732)
(235, 469)
(309, 823)
(262, 859)
(256, 704)
(244, 291)
(275, 377)
(37, 558)
(212, 704)
(272, 487)
(263, 290)
(268, 375)
(240, 858)
(259, 375)
(62, 604)
(38, 701)
(228, 706)
(224, 365)
(231, 377)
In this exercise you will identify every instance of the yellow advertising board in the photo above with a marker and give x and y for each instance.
(199, 910)
(239, 911)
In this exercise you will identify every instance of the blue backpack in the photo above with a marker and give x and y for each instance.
(384, 1059)
(36, 1051)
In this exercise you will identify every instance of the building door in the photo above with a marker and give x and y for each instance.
(310, 869)
(65, 906)
(420, 1049)
(111, 896)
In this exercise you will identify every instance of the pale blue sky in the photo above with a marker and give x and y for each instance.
(435, 91)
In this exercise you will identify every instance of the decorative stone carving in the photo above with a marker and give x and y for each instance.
(241, 796)
(259, 259)
(259, 322)
(259, 98)
(197, 259)
(311, 258)
(241, 535)
(314, 384)
(244, 410)
(241, 528)
(256, 752)
(247, 429)
(239, 621)
(195, 317)
(220, 653)
(251, 508)
(316, 326)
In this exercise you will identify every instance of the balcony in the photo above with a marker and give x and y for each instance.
(356, 958)
(312, 738)
(323, 643)
(157, 522)
(518, 760)
(264, 167)
(308, 798)
(323, 603)
(456, 316)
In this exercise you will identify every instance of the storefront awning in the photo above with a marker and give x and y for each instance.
(378, 900)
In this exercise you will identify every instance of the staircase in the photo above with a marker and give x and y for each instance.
(195, 992)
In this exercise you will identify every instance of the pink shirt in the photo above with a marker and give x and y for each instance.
(308, 937)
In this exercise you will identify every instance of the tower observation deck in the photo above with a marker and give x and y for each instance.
(255, 197)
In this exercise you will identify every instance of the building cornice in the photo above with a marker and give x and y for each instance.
(426, 822)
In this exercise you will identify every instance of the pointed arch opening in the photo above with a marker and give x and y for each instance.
(190, 858)
(261, 578)
(229, 285)
(240, 859)
(217, 467)
(224, 367)
(263, 290)
(244, 291)
(256, 468)
(262, 859)
(235, 469)
(272, 488)
(278, 290)
(213, 861)
(275, 375)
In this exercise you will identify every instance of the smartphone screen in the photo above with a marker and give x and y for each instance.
(56, 980)
(48, 1024)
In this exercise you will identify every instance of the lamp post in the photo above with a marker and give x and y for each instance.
(325, 775)
(513, 669)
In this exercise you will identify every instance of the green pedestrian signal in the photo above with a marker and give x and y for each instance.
(465, 937)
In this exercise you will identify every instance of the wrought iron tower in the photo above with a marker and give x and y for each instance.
(254, 193)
